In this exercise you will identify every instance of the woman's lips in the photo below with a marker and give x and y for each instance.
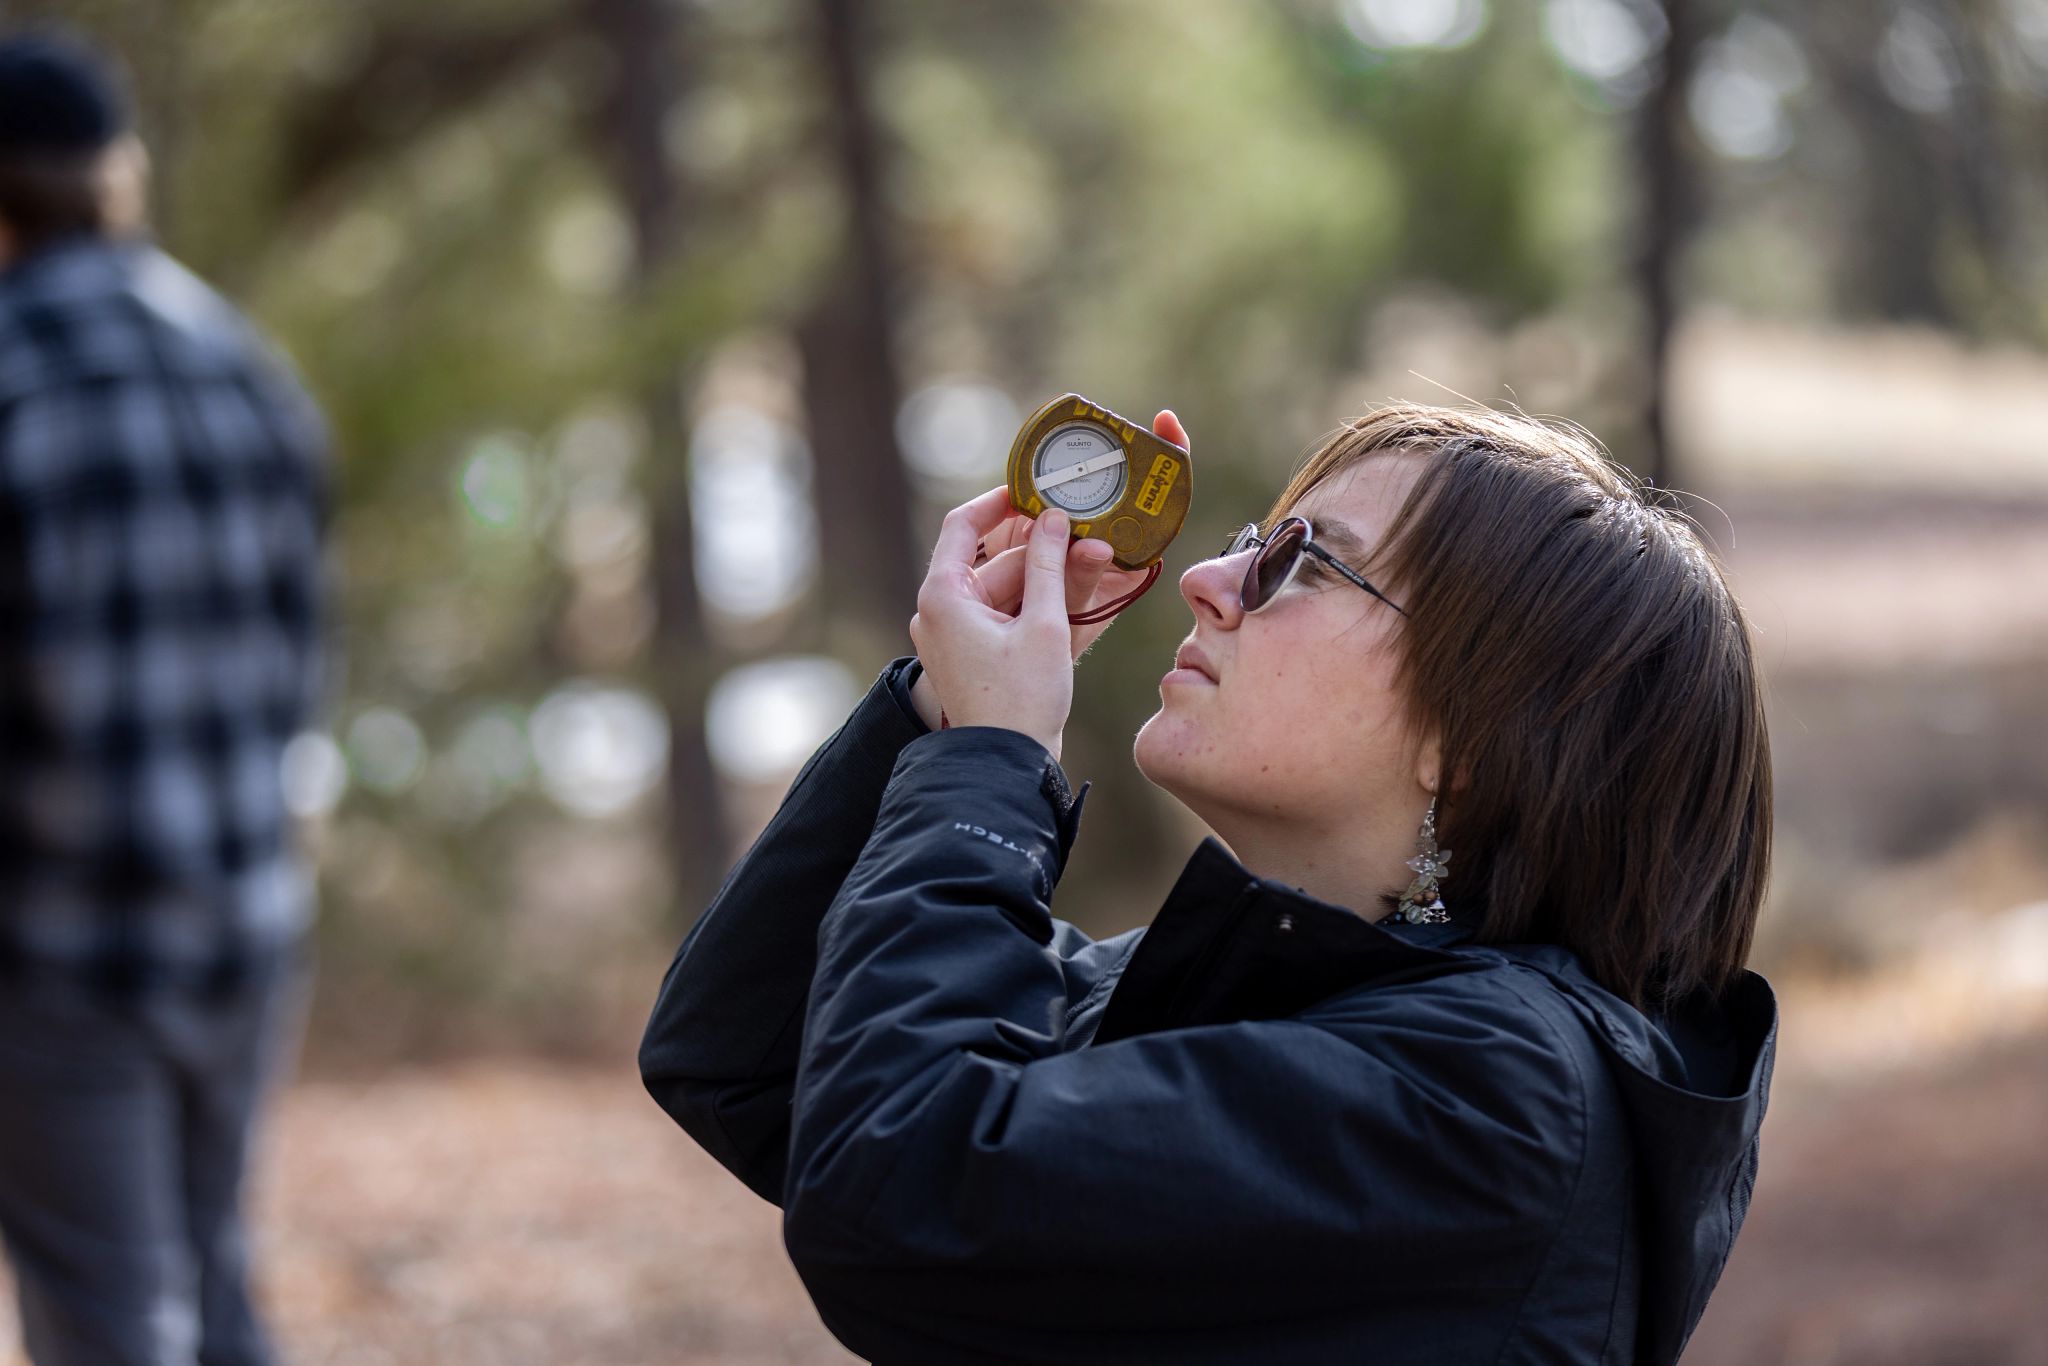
(1190, 665)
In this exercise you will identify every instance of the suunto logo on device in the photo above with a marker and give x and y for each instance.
(1158, 483)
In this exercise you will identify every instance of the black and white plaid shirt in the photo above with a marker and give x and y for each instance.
(161, 507)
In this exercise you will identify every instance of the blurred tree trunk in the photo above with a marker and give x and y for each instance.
(851, 388)
(643, 40)
(1972, 143)
(439, 72)
(1976, 141)
(1902, 209)
(1669, 205)
(1891, 271)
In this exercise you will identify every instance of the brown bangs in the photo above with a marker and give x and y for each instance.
(1591, 676)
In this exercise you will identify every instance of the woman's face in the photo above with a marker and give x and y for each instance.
(1291, 712)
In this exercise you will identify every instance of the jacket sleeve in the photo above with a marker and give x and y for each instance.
(957, 1178)
(720, 1050)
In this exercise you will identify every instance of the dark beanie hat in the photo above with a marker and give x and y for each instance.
(57, 96)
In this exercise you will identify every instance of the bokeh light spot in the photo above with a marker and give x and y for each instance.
(599, 749)
(764, 719)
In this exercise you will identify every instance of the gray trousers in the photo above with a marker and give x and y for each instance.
(123, 1135)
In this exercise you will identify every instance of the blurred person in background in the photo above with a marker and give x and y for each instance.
(1338, 1101)
(161, 510)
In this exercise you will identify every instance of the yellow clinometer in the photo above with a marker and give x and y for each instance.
(1115, 479)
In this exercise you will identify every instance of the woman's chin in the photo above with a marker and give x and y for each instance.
(1161, 749)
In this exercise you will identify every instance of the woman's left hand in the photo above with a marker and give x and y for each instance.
(989, 667)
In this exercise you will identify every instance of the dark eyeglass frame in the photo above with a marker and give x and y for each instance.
(1282, 541)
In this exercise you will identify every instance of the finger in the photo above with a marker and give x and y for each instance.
(1167, 427)
(1045, 569)
(1002, 580)
(1086, 561)
(964, 528)
(1010, 533)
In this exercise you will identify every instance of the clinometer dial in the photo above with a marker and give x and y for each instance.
(1081, 467)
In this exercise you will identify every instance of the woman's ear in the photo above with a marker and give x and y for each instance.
(1429, 766)
(1429, 759)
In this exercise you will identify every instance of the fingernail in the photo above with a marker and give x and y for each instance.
(1055, 521)
(1098, 551)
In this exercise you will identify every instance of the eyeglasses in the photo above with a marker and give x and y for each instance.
(1279, 557)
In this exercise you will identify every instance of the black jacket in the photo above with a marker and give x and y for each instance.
(1262, 1130)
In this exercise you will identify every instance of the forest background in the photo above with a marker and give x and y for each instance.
(656, 334)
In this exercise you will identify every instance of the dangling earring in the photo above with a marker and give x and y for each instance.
(1421, 904)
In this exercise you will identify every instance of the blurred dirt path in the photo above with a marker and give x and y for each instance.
(1903, 1222)
(511, 1213)
(506, 1214)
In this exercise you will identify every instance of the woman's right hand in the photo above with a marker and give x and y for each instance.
(1091, 581)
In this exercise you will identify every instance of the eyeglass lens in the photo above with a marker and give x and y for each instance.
(1273, 564)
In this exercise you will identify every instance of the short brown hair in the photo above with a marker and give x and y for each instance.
(1575, 644)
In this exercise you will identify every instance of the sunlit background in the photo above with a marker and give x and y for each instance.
(656, 335)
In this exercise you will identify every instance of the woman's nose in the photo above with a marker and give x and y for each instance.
(1211, 588)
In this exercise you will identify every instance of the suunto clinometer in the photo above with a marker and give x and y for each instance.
(1115, 479)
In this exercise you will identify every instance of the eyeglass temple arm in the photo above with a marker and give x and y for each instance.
(1352, 574)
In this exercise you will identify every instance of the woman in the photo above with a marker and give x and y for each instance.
(1348, 1097)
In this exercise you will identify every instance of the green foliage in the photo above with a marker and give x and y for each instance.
(1201, 204)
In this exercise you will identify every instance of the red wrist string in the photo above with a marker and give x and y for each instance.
(1115, 605)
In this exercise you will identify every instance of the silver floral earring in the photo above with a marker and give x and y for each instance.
(1422, 904)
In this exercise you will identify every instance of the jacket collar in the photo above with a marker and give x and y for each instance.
(1230, 945)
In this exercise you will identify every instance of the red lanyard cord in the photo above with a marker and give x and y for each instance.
(1111, 608)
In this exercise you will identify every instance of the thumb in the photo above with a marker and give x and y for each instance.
(1045, 568)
